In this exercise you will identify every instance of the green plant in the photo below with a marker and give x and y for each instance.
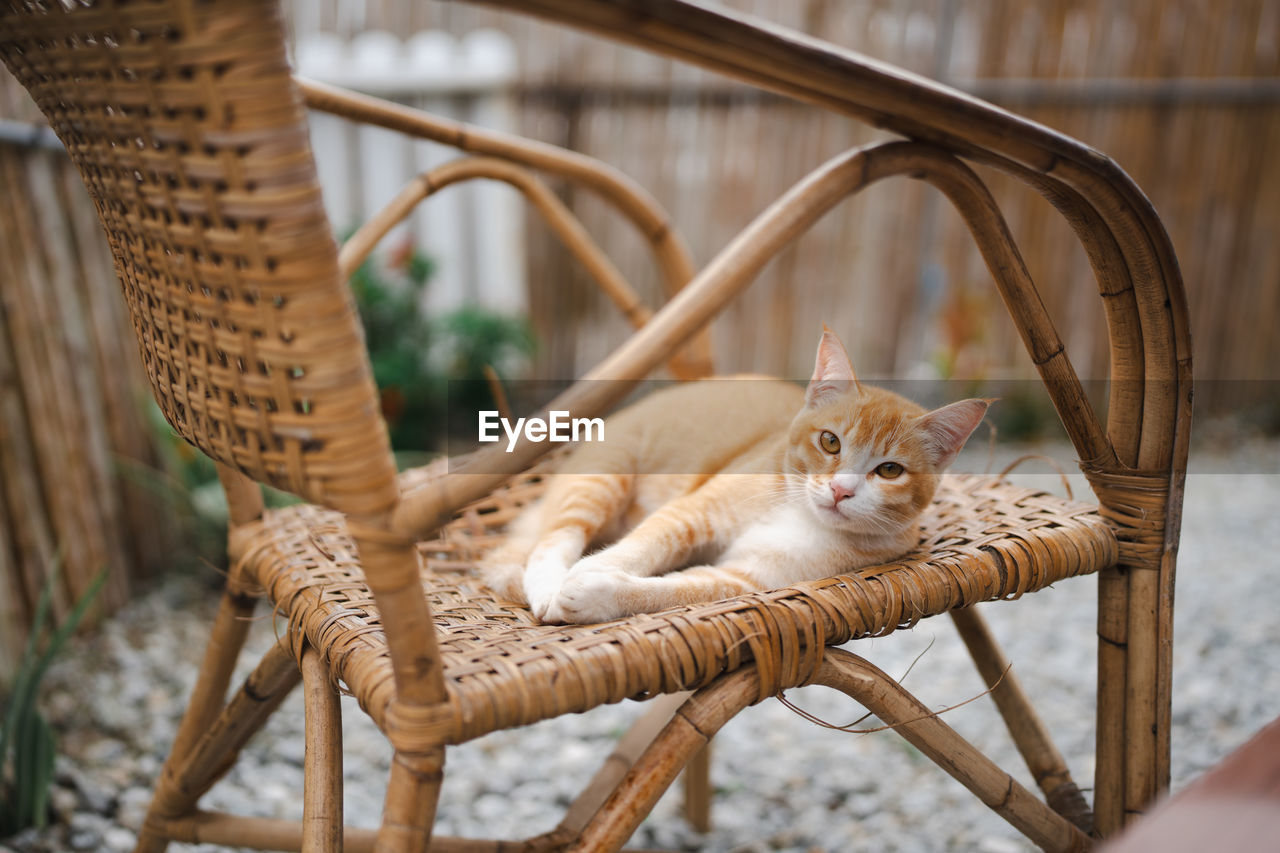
(27, 743)
(466, 342)
(1025, 413)
(396, 333)
(473, 338)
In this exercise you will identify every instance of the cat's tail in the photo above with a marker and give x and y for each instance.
(502, 569)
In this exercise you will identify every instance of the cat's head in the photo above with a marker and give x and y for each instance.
(865, 459)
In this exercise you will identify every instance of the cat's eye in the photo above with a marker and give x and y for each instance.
(830, 441)
(890, 470)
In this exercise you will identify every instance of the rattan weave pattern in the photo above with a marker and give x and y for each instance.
(984, 539)
(192, 142)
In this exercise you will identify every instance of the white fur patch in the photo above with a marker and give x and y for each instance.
(549, 565)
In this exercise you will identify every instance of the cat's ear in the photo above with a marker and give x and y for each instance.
(832, 371)
(949, 428)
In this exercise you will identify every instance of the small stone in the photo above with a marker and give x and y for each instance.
(118, 839)
(104, 752)
(86, 831)
(131, 807)
(85, 840)
(24, 840)
(64, 801)
(147, 767)
(291, 750)
(993, 844)
(863, 805)
(491, 806)
(276, 798)
(93, 794)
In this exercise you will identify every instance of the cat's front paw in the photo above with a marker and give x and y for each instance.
(587, 597)
(542, 581)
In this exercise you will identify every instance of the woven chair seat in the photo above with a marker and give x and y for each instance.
(984, 539)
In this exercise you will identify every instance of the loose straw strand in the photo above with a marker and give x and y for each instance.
(1048, 460)
(848, 729)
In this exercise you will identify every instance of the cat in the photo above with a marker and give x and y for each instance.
(715, 488)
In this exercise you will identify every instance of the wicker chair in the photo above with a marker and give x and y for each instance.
(192, 139)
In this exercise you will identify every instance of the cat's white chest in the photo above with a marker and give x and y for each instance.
(789, 526)
(790, 545)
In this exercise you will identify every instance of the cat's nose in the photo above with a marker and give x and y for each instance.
(839, 491)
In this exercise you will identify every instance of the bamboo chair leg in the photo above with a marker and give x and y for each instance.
(410, 808)
(687, 732)
(1143, 778)
(230, 626)
(187, 778)
(259, 833)
(225, 830)
(697, 789)
(923, 729)
(226, 640)
(322, 765)
(1029, 733)
(624, 756)
(1113, 636)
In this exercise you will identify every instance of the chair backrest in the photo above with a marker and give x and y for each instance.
(192, 140)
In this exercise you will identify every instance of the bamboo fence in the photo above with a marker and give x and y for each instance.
(1184, 94)
(71, 419)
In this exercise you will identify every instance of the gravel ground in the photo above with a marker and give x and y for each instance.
(781, 783)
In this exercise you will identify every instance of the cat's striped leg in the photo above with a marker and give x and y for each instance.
(688, 529)
(588, 597)
(572, 518)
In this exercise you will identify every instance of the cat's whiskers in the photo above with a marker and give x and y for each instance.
(877, 525)
(780, 495)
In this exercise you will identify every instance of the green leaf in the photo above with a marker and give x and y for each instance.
(26, 741)
(22, 696)
(42, 771)
(24, 759)
(68, 627)
(32, 770)
(419, 268)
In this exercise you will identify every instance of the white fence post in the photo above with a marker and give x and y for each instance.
(496, 271)
(473, 232)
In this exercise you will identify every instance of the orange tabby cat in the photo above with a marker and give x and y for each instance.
(711, 489)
